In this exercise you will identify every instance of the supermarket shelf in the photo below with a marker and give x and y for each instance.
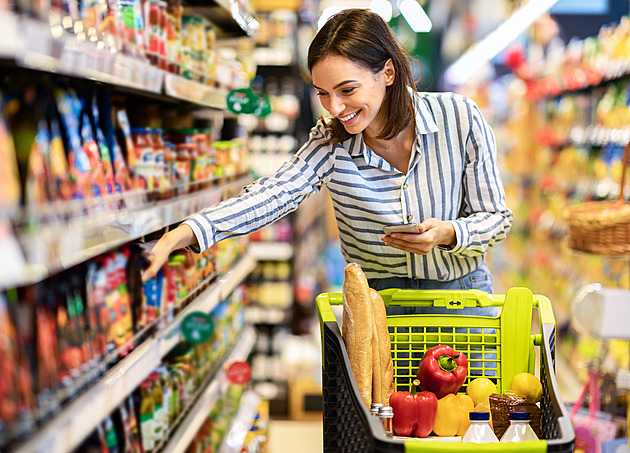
(242, 423)
(60, 245)
(257, 314)
(199, 412)
(75, 422)
(234, 18)
(271, 251)
(191, 91)
(35, 44)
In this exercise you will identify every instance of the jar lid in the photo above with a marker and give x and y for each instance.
(479, 415)
(386, 411)
(519, 416)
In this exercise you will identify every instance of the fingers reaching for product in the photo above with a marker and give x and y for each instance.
(180, 237)
(432, 232)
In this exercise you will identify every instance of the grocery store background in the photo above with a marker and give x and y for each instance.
(119, 119)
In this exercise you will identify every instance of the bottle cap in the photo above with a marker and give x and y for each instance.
(479, 415)
(519, 416)
(386, 412)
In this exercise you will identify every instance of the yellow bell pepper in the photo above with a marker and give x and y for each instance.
(452, 415)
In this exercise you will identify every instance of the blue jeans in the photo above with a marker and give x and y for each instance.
(478, 279)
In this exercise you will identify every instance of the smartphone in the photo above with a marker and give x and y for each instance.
(401, 228)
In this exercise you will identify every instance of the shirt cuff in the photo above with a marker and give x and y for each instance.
(204, 233)
(461, 238)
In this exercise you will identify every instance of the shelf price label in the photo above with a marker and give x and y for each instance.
(197, 327)
(263, 106)
(242, 100)
(239, 372)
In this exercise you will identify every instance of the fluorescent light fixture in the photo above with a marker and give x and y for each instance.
(486, 49)
(383, 8)
(415, 16)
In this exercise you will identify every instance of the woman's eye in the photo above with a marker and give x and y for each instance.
(319, 93)
(348, 90)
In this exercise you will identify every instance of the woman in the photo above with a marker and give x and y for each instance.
(387, 155)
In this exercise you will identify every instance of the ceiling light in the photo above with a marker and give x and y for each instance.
(383, 8)
(486, 49)
(415, 16)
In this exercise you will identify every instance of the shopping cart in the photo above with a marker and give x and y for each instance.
(499, 348)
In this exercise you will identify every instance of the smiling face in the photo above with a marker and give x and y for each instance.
(352, 93)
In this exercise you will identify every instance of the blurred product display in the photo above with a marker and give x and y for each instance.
(120, 119)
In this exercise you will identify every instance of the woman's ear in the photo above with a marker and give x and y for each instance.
(389, 72)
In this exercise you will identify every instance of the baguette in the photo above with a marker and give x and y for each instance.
(382, 355)
(358, 328)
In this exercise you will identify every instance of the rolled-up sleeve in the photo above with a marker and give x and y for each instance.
(267, 199)
(485, 218)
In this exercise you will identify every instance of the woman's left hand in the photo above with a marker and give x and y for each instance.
(431, 233)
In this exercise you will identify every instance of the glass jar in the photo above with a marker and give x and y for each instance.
(182, 166)
(386, 414)
(159, 172)
(202, 156)
(147, 415)
(144, 155)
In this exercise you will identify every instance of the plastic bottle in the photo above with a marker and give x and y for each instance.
(519, 429)
(479, 431)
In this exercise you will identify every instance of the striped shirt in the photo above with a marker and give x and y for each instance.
(453, 175)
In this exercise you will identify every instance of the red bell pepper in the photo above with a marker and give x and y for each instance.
(427, 405)
(405, 412)
(442, 370)
(414, 415)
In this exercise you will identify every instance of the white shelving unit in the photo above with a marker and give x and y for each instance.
(61, 244)
(77, 420)
(72, 232)
(272, 251)
(201, 409)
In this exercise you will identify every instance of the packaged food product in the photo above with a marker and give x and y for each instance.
(147, 416)
(78, 162)
(58, 177)
(120, 330)
(144, 156)
(46, 344)
(124, 132)
(9, 176)
(106, 156)
(35, 187)
(9, 378)
(157, 392)
(134, 433)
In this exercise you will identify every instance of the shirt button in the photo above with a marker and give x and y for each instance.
(405, 186)
(409, 217)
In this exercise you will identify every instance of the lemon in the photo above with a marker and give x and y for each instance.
(480, 389)
(526, 384)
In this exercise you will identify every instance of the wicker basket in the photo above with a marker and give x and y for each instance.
(601, 227)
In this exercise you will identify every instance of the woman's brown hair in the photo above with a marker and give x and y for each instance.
(365, 38)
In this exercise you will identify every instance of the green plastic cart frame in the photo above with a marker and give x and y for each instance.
(498, 348)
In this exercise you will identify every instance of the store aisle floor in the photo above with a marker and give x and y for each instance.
(286, 436)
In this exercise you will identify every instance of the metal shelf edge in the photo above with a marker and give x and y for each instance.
(200, 411)
(76, 421)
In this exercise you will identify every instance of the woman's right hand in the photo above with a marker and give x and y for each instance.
(180, 237)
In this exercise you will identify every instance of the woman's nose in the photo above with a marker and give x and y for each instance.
(337, 106)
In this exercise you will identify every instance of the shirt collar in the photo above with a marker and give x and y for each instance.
(425, 124)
